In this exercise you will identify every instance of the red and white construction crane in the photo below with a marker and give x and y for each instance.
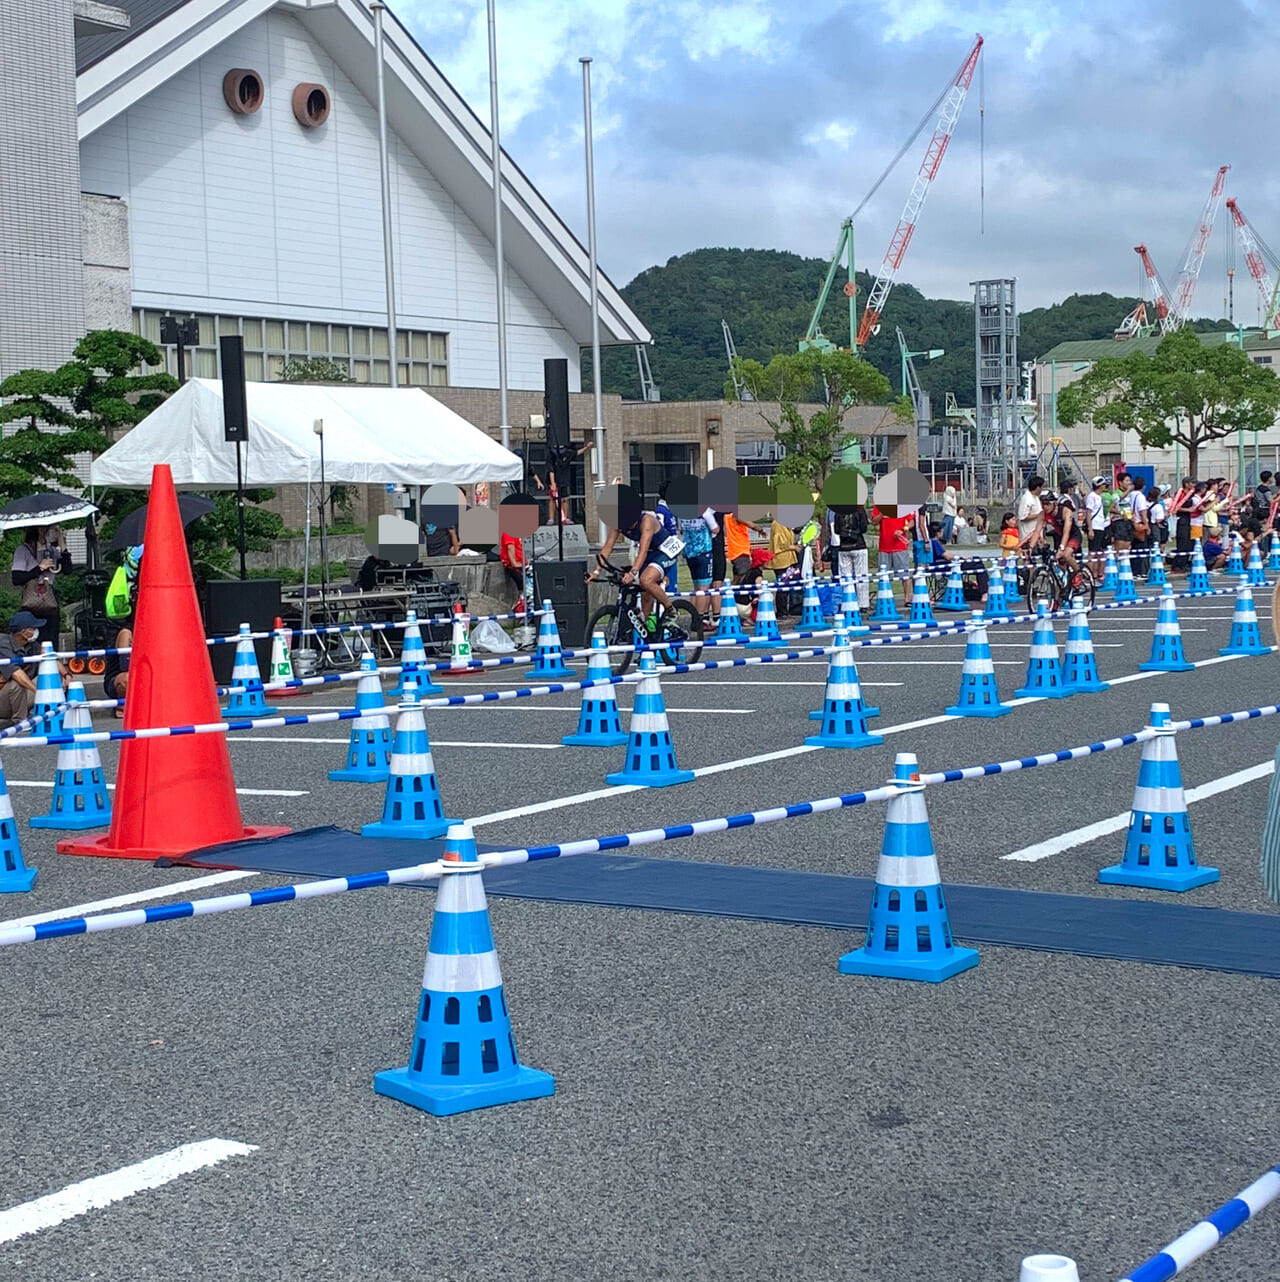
(1193, 259)
(1256, 257)
(948, 113)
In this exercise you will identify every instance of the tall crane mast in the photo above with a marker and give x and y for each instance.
(1193, 260)
(1160, 292)
(1256, 256)
(949, 112)
(740, 388)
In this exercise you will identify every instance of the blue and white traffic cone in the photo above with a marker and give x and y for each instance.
(997, 604)
(1273, 555)
(412, 807)
(1159, 852)
(850, 613)
(1257, 575)
(369, 748)
(1166, 642)
(766, 630)
(1012, 595)
(413, 660)
(1198, 582)
(953, 597)
(1156, 576)
(247, 699)
(921, 606)
(80, 798)
(886, 607)
(909, 933)
(730, 626)
(548, 659)
(979, 695)
(464, 1054)
(49, 701)
(811, 615)
(843, 715)
(651, 756)
(1111, 573)
(1235, 558)
(599, 725)
(1245, 637)
(1126, 588)
(1044, 672)
(1080, 664)
(15, 876)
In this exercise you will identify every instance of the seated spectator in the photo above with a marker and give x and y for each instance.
(440, 540)
(941, 557)
(17, 680)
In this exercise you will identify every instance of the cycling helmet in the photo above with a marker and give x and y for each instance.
(1048, 496)
(1098, 480)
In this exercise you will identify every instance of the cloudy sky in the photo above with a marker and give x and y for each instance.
(733, 122)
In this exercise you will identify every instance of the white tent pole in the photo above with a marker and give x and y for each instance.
(505, 425)
(306, 568)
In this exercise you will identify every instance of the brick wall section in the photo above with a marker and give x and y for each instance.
(41, 273)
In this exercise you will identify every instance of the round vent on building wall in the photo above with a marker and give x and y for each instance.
(243, 90)
(311, 105)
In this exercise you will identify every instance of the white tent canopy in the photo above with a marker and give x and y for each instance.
(372, 435)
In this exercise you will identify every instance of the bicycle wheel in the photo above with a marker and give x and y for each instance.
(684, 622)
(1044, 587)
(605, 620)
(1087, 587)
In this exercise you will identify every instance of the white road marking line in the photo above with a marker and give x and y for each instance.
(103, 1190)
(244, 792)
(1117, 823)
(562, 708)
(137, 897)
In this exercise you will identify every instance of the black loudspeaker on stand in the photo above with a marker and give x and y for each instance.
(563, 583)
(235, 418)
(230, 602)
(555, 401)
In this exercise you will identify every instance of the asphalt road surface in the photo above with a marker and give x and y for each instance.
(727, 1105)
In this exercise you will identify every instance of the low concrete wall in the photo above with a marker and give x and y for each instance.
(287, 554)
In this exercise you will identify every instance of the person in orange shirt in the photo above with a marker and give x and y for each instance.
(737, 544)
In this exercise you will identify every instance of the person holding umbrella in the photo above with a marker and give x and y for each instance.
(39, 558)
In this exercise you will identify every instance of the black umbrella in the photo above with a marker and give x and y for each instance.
(44, 509)
(133, 528)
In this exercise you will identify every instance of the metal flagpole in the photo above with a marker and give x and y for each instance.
(505, 424)
(388, 260)
(595, 276)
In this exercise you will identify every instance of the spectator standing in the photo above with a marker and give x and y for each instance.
(1030, 514)
(949, 513)
(698, 533)
(895, 544)
(37, 561)
(1095, 523)
(440, 540)
(847, 538)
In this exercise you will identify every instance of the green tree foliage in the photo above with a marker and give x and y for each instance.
(836, 379)
(767, 296)
(315, 369)
(1186, 393)
(110, 395)
(215, 538)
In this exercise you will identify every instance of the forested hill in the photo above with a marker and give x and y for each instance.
(768, 295)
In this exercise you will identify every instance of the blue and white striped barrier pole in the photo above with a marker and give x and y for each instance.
(1200, 1240)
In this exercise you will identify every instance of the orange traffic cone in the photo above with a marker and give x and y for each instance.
(173, 795)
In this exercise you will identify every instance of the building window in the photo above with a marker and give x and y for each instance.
(268, 344)
(1262, 360)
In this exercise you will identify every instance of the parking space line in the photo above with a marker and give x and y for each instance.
(102, 1190)
(1104, 827)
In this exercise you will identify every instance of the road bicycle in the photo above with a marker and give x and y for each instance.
(1057, 585)
(675, 638)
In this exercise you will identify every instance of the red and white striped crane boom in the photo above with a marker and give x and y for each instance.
(1159, 291)
(948, 114)
(1193, 260)
(1256, 256)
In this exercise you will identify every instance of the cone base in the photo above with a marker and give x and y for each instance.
(444, 1101)
(979, 710)
(360, 775)
(428, 689)
(250, 713)
(962, 608)
(15, 883)
(1119, 875)
(554, 674)
(595, 740)
(1245, 650)
(759, 642)
(895, 617)
(1088, 687)
(72, 822)
(1044, 692)
(100, 845)
(649, 780)
(409, 831)
(1124, 596)
(1166, 667)
(843, 740)
(928, 970)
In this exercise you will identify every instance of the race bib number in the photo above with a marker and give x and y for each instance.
(671, 546)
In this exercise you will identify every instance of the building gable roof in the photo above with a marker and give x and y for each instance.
(1095, 349)
(423, 109)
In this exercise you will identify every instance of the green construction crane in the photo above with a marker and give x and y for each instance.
(814, 337)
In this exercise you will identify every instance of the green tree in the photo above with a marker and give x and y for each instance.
(109, 394)
(1186, 393)
(40, 453)
(215, 538)
(315, 369)
(837, 379)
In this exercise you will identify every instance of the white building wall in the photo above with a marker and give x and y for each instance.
(259, 216)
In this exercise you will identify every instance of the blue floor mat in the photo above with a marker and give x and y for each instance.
(1168, 934)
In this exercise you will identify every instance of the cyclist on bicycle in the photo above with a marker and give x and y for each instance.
(1062, 534)
(655, 554)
